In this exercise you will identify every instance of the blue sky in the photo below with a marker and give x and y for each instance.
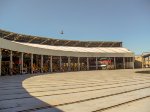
(101, 20)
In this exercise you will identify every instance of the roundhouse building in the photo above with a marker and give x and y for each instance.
(22, 54)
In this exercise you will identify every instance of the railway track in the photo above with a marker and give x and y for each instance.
(99, 110)
(120, 104)
(72, 94)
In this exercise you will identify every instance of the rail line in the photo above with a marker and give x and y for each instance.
(53, 106)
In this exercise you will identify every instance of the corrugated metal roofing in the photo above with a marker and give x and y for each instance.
(81, 49)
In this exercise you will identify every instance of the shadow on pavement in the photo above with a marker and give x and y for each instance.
(15, 98)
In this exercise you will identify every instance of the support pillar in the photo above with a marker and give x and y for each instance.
(31, 63)
(96, 64)
(148, 61)
(41, 63)
(60, 63)
(114, 63)
(69, 68)
(133, 62)
(49, 60)
(11, 63)
(78, 63)
(142, 62)
(0, 62)
(130, 60)
(22, 62)
(127, 62)
(87, 63)
(51, 64)
(124, 64)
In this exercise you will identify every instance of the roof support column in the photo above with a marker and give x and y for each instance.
(11, 63)
(78, 63)
(31, 63)
(0, 61)
(142, 62)
(124, 64)
(41, 63)
(96, 64)
(51, 64)
(148, 61)
(133, 62)
(114, 62)
(49, 60)
(22, 62)
(87, 63)
(69, 69)
(127, 62)
(60, 64)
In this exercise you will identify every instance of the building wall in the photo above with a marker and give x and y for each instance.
(138, 62)
(146, 61)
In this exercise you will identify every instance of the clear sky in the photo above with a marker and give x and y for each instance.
(101, 20)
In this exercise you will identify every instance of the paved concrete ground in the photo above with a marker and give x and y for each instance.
(89, 91)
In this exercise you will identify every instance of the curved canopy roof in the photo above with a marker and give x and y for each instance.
(81, 49)
(65, 50)
(55, 42)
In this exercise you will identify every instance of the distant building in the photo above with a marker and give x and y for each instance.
(138, 61)
(146, 59)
